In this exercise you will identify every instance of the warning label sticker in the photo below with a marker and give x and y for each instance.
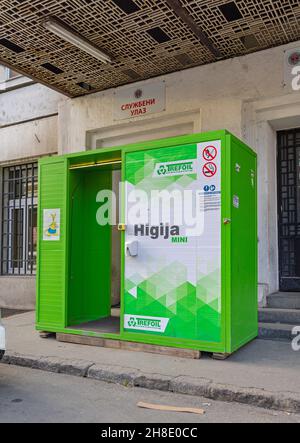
(209, 160)
(210, 153)
(210, 169)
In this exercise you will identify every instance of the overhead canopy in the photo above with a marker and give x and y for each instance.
(144, 38)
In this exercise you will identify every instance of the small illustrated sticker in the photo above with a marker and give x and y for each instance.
(236, 201)
(51, 225)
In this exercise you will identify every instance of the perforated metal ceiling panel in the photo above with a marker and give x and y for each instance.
(146, 38)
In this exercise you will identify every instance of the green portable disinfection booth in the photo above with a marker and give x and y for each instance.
(152, 243)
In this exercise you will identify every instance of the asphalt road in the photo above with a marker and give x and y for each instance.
(32, 396)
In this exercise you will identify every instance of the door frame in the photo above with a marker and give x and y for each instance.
(286, 284)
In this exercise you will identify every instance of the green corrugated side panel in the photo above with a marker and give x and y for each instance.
(244, 285)
(52, 265)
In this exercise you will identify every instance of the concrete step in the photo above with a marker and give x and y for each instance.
(275, 331)
(285, 316)
(284, 300)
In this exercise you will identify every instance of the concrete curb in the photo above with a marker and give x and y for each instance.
(282, 401)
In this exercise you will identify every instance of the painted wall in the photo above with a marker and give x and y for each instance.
(28, 122)
(28, 103)
(2, 73)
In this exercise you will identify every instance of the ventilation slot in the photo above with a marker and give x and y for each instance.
(184, 59)
(132, 74)
(11, 46)
(250, 41)
(231, 12)
(128, 6)
(52, 68)
(159, 35)
(85, 86)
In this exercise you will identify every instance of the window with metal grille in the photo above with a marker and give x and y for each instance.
(19, 219)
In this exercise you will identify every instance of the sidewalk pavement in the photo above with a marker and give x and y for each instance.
(264, 373)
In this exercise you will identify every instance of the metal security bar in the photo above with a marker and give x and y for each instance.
(19, 219)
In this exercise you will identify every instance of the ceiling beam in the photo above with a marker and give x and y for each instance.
(182, 13)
